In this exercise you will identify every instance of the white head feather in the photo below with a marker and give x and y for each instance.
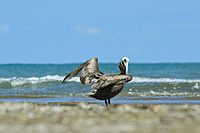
(125, 60)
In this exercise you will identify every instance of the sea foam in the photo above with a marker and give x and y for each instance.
(164, 80)
(21, 81)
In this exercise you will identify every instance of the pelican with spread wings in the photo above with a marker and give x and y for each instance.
(104, 86)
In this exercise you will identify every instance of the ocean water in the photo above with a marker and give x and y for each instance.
(159, 83)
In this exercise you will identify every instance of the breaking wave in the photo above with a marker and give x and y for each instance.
(22, 81)
(49, 79)
(164, 80)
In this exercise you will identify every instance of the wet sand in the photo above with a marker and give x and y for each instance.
(93, 118)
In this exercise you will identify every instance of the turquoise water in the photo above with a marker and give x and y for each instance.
(161, 83)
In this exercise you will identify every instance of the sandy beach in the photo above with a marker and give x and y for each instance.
(93, 118)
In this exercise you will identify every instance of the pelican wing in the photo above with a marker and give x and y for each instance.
(88, 71)
(107, 80)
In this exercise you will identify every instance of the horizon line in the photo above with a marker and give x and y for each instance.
(99, 63)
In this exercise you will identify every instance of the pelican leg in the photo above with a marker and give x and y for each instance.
(109, 101)
(106, 102)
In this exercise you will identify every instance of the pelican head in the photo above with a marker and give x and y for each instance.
(123, 65)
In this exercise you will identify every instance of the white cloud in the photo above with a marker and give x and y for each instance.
(4, 28)
(90, 30)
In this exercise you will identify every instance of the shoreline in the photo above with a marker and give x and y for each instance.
(78, 117)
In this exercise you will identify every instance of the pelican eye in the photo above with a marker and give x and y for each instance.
(125, 60)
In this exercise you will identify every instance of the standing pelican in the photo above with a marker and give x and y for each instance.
(105, 86)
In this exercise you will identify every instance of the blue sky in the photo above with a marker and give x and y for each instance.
(50, 31)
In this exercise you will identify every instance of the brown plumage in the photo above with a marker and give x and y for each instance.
(105, 86)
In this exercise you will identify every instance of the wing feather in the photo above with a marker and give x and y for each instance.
(106, 80)
(88, 71)
(73, 73)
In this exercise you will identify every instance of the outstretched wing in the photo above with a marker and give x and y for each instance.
(88, 71)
